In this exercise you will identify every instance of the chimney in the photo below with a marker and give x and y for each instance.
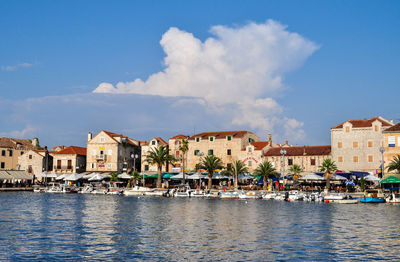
(269, 139)
(35, 141)
(287, 142)
(89, 136)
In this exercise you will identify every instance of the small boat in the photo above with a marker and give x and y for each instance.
(332, 198)
(372, 198)
(348, 201)
(87, 189)
(393, 198)
(249, 195)
(154, 193)
(229, 195)
(39, 189)
(55, 188)
(137, 191)
(269, 196)
(99, 191)
(183, 191)
(295, 196)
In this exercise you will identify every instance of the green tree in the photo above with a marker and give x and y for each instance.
(296, 170)
(114, 177)
(394, 164)
(210, 163)
(238, 168)
(159, 156)
(184, 147)
(266, 170)
(328, 167)
(135, 177)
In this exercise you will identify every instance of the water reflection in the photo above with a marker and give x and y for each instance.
(86, 227)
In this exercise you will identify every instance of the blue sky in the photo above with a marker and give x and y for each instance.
(54, 54)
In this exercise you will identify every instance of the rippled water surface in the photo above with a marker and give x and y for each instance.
(95, 227)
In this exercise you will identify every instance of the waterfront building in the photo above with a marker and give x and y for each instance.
(12, 148)
(227, 145)
(174, 144)
(111, 152)
(391, 143)
(145, 148)
(69, 160)
(356, 143)
(309, 158)
(34, 161)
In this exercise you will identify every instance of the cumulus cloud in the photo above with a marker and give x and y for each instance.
(15, 67)
(28, 131)
(237, 72)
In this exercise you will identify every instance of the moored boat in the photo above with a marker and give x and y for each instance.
(137, 191)
(228, 195)
(393, 198)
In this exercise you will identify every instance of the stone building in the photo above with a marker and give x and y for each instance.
(227, 145)
(174, 144)
(391, 143)
(34, 161)
(110, 152)
(11, 149)
(146, 147)
(69, 160)
(309, 158)
(356, 143)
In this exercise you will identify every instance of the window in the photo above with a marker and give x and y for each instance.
(249, 163)
(210, 152)
(370, 143)
(10, 153)
(30, 169)
(228, 152)
(22, 152)
(196, 152)
(30, 156)
(3, 152)
(340, 159)
(93, 165)
(229, 166)
(110, 152)
(251, 140)
(347, 129)
(355, 144)
(211, 138)
(58, 164)
(109, 166)
(249, 149)
(376, 128)
(93, 152)
(153, 142)
(101, 139)
(177, 154)
(339, 145)
(69, 165)
(355, 159)
(197, 139)
(312, 162)
(2, 165)
(290, 162)
(229, 138)
(370, 158)
(146, 167)
(101, 152)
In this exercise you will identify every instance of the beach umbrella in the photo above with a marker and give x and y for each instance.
(73, 177)
(167, 175)
(124, 176)
(60, 177)
(312, 176)
(98, 177)
(349, 183)
(338, 177)
(87, 176)
(390, 180)
(178, 176)
(197, 176)
(371, 178)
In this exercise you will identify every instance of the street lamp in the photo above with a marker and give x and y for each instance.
(134, 156)
(283, 153)
(382, 150)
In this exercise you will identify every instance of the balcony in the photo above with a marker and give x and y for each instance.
(62, 167)
(102, 157)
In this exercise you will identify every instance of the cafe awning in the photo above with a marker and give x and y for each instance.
(19, 174)
(390, 180)
(4, 175)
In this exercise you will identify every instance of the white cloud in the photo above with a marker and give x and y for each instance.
(28, 131)
(236, 73)
(15, 67)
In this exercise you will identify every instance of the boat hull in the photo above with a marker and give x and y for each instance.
(372, 200)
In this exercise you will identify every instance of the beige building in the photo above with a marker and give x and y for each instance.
(309, 158)
(11, 149)
(391, 143)
(33, 161)
(227, 145)
(356, 143)
(145, 148)
(174, 144)
(110, 152)
(69, 160)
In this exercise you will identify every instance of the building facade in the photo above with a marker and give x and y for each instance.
(309, 158)
(70, 160)
(110, 152)
(356, 143)
(174, 145)
(11, 149)
(391, 143)
(34, 161)
(227, 145)
(155, 142)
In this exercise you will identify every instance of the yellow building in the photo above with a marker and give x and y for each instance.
(391, 142)
(11, 149)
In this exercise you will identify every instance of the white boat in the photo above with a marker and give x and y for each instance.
(393, 198)
(198, 193)
(295, 196)
(269, 196)
(99, 191)
(137, 191)
(249, 195)
(87, 189)
(229, 195)
(348, 201)
(331, 198)
(314, 197)
(38, 189)
(183, 191)
(154, 193)
(114, 191)
(55, 188)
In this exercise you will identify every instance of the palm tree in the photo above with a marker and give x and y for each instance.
(265, 169)
(184, 148)
(394, 164)
(159, 156)
(210, 163)
(296, 169)
(328, 167)
(238, 168)
(135, 177)
(114, 177)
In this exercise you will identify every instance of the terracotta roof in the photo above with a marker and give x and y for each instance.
(220, 135)
(180, 137)
(365, 122)
(259, 145)
(395, 128)
(72, 150)
(300, 151)
(113, 135)
(13, 142)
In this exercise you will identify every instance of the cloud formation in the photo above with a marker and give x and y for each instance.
(9, 68)
(237, 73)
